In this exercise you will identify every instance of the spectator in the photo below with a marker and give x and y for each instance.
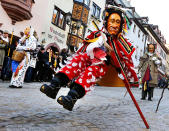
(163, 82)
(3, 51)
(64, 56)
(40, 64)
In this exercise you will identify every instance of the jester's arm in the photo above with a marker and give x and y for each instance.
(93, 45)
(30, 46)
(105, 42)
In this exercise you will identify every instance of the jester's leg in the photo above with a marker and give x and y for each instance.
(150, 90)
(78, 63)
(74, 94)
(57, 82)
(143, 93)
(81, 86)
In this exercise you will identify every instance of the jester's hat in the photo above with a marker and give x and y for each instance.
(121, 11)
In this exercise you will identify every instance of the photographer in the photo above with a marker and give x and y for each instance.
(163, 82)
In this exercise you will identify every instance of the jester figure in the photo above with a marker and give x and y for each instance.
(148, 68)
(27, 44)
(103, 48)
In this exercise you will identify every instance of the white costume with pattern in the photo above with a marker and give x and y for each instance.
(30, 44)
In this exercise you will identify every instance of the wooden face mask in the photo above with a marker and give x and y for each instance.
(151, 48)
(113, 24)
(27, 31)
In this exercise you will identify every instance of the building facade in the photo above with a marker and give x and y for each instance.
(49, 20)
(46, 17)
(16, 15)
(55, 29)
(96, 11)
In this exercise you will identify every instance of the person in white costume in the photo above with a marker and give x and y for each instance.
(27, 44)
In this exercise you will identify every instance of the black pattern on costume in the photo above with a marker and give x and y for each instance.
(19, 79)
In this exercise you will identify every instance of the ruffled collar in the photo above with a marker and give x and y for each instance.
(150, 54)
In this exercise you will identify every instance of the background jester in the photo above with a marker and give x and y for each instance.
(90, 63)
(148, 69)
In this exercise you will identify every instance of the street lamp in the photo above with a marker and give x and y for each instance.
(78, 24)
(68, 18)
(72, 28)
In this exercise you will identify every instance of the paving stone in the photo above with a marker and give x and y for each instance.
(104, 109)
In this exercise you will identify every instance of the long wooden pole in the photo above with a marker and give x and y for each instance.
(10, 41)
(160, 99)
(137, 106)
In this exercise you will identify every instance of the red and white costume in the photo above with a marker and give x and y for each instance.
(88, 64)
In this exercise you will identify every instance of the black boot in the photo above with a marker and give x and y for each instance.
(74, 94)
(143, 93)
(57, 82)
(150, 94)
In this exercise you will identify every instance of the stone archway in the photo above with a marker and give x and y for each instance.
(54, 46)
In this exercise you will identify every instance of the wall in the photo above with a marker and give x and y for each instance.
(137, 42)
(53, 34)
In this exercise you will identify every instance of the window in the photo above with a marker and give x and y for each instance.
(141, 52)
(96, 11)
(81, 31)
(86, 2)
(61, 20)
(151, 39)
(161, 53)
(134, 29)
(139, 33)
(164, 56)
(74, 29)
(58, 18)
(148, 38)
(55, 16)
(143, 37)
(81, 1)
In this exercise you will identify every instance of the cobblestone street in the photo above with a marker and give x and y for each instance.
(104, 109)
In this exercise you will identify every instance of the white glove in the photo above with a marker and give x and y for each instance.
(157, 62)
(93, 45)
(154, 58)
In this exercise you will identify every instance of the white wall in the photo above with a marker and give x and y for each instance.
(164, 61)
(50, 36)
(137, 42)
